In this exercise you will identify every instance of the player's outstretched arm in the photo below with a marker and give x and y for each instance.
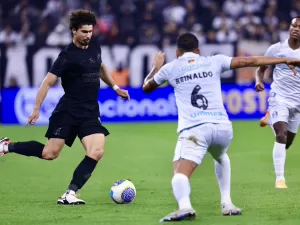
(107, 78)
(254, 61)
(48, 81)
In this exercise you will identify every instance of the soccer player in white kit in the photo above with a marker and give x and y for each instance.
(284, 100)
(203, 123)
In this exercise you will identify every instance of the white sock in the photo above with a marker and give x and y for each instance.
(182, 190)
(279, 156)
(223, 171)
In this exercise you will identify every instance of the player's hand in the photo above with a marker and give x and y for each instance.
(259, 87)
(123, 94)
(33, 117)
(292, 64)
(159, 60)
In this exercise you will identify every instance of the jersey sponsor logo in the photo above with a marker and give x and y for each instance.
(194, 66)
(90, 78)
(285, 67)
(193, 76)
(206, 114)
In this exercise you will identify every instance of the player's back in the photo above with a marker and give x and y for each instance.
(79, 71)
(197, 87)
(285, 83)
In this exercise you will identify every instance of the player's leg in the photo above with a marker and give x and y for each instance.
(183, 170)
(279, 113)
(279, 153)
(49, 151)
(221, 142)
(189, 152)
(285, 126)
(59, 130)
(94, 147)
(92, 135)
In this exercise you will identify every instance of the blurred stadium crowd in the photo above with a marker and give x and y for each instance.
(28, 25)
(158, 22)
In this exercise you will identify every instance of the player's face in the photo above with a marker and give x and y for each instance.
(84, 34)
(295, 28)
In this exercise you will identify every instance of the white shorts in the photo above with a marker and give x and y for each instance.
(194, 143)
(283, 112)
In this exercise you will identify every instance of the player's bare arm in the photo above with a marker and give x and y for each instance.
(48, 81)
(149, 83)
(254, 61)
(259, 77)
(107, 78)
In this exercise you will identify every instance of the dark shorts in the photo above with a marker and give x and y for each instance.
(65, 126)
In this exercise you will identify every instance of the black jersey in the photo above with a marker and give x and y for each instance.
(79, 70)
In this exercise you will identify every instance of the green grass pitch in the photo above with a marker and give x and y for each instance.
(29, 187)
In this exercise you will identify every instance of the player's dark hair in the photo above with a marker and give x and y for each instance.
(187, 42)
(81, 17)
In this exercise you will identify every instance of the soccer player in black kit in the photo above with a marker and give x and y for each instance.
(80, 68)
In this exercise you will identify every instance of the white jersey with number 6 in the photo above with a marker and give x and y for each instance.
(197, 86)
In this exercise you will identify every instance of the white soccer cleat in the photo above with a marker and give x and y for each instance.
(70, 199)
(230, 210)
(182, 214)
(4, 141)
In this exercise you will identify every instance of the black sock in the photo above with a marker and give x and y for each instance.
(82, 173)
(29, 148)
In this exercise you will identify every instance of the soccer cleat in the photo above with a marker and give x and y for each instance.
(264, 121)
(70, 199)
(280, 184)
(182, 214)
(230, 210)
(4, 141)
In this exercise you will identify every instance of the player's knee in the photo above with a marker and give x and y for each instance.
(96, 153)
(50, 154)
(281, 137)
(179, 178)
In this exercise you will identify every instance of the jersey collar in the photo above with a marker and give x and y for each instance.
(188, 54)
(286, 44)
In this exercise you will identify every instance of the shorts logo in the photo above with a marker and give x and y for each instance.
(57, 132)
(274, 114)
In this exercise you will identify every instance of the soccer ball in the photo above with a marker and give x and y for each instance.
(123, 192)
